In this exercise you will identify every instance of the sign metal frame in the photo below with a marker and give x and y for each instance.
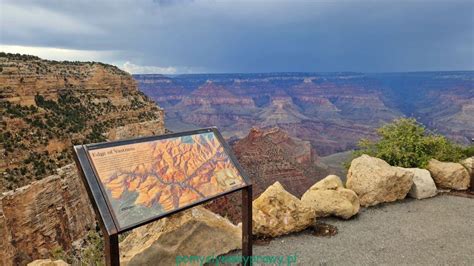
(106, 216)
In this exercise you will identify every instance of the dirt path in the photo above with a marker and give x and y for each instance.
(436, 231)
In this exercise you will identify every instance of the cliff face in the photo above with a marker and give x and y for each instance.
(444, 101)
(47, 106)
(44, 215)
(212, 104)
(452, 113)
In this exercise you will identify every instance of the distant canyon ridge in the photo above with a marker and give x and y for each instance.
(331, 110)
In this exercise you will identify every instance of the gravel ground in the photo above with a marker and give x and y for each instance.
(436, 231)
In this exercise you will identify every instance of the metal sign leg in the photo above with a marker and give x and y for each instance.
(112, 257)
(247, 223)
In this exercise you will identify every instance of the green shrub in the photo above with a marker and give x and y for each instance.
(58, 253)
(406, 143)
(93, 252)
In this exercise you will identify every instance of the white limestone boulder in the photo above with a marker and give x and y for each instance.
(423, 185)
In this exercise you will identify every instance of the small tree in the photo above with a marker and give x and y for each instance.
(406, 143)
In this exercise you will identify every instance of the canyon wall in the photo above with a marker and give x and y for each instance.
(47, 214)
(46, 108)
(331, 110)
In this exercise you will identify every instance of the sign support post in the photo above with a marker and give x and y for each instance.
(112, 254)
(247, 221)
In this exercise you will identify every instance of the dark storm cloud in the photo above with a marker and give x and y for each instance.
(253, 36)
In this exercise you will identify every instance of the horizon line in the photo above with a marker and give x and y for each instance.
(301, 72)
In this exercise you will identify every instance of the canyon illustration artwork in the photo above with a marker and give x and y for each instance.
(353, 121)
(147, 179)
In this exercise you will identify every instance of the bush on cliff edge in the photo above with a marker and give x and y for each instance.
(406, 143)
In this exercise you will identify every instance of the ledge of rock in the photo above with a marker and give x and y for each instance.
(375, 181)
(47, 262)
(449, 175)
(329, 197)
(277, 212)
(423, 184)
(196, 231)
(133, 130)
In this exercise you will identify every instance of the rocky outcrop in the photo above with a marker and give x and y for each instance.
(47, 262)
(147, 128)
(449, 175)
(469, 164)
(196, 232)
(47, 106)
(329, 197)
(423, 185)
(300, 150)
(276, 212)
(375, 181)
(269, 156)
(44, 215)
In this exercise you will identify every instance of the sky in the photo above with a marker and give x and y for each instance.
(184, 36)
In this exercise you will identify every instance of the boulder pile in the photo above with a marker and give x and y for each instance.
(277, 212)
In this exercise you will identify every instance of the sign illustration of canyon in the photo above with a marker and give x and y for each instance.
(146, 179)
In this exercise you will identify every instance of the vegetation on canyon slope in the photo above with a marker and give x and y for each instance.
(90, 251)
(406, 143)
(72, 117)
(47, 106)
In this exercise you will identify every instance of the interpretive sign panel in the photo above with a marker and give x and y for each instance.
(148, 179)
(137, 181)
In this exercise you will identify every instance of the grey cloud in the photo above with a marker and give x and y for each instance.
(255, 36)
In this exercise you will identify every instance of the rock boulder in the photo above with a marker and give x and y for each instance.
(277, 212)
(375, 181)
(329, 197)
(423, 185)
(48, 262)
(449, 175)
(469, 164)
(196, 231)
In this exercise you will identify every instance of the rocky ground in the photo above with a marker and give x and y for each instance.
(434, 231)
